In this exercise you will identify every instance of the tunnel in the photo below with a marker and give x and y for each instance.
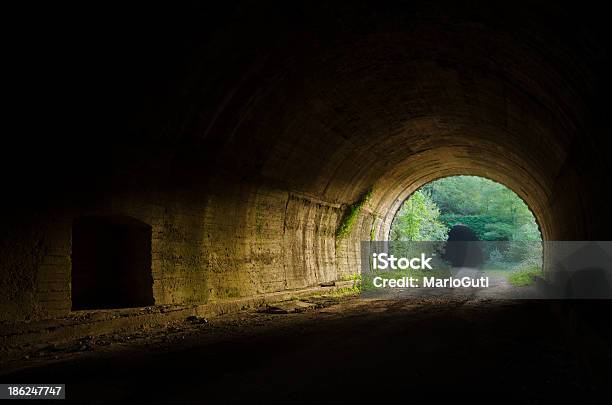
(462, 248)
(254, 145)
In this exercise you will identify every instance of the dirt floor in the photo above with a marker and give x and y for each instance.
(328, 349)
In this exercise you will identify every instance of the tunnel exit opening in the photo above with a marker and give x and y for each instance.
(483, 224)
(111, 263)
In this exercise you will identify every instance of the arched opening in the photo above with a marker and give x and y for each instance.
(489, 209)
(111, 263)
(485, 226)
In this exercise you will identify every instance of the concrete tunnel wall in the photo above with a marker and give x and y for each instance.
(242, 135)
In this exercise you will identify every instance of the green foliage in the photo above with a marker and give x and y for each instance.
(351, 277)
(351, 214)
(373, 229)
(524, 277)
(418, 220)
(491, 210)
(343, 292)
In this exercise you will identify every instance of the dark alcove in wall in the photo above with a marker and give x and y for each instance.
(111, 263)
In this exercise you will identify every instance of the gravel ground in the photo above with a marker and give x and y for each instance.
(326, 349)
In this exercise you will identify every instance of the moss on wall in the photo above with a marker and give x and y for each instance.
(351, 214)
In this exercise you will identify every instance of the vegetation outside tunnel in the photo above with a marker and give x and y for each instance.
(491, 210)
(494, 212)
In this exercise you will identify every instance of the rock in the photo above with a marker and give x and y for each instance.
(196, 320)
(287, 307)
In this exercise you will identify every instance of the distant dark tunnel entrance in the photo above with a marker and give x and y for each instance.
(111, 263)
(462, 248)
(462, 233)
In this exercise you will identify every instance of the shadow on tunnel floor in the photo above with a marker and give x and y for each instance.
(531, 352)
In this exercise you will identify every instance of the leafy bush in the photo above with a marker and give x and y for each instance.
(524, 276)
(496, 256)
(418, 220)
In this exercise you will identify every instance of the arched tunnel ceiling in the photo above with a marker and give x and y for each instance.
(333, 100)
(372, 103)
(390, 101)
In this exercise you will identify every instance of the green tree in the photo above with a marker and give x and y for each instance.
(490, 209)
(418, 220)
